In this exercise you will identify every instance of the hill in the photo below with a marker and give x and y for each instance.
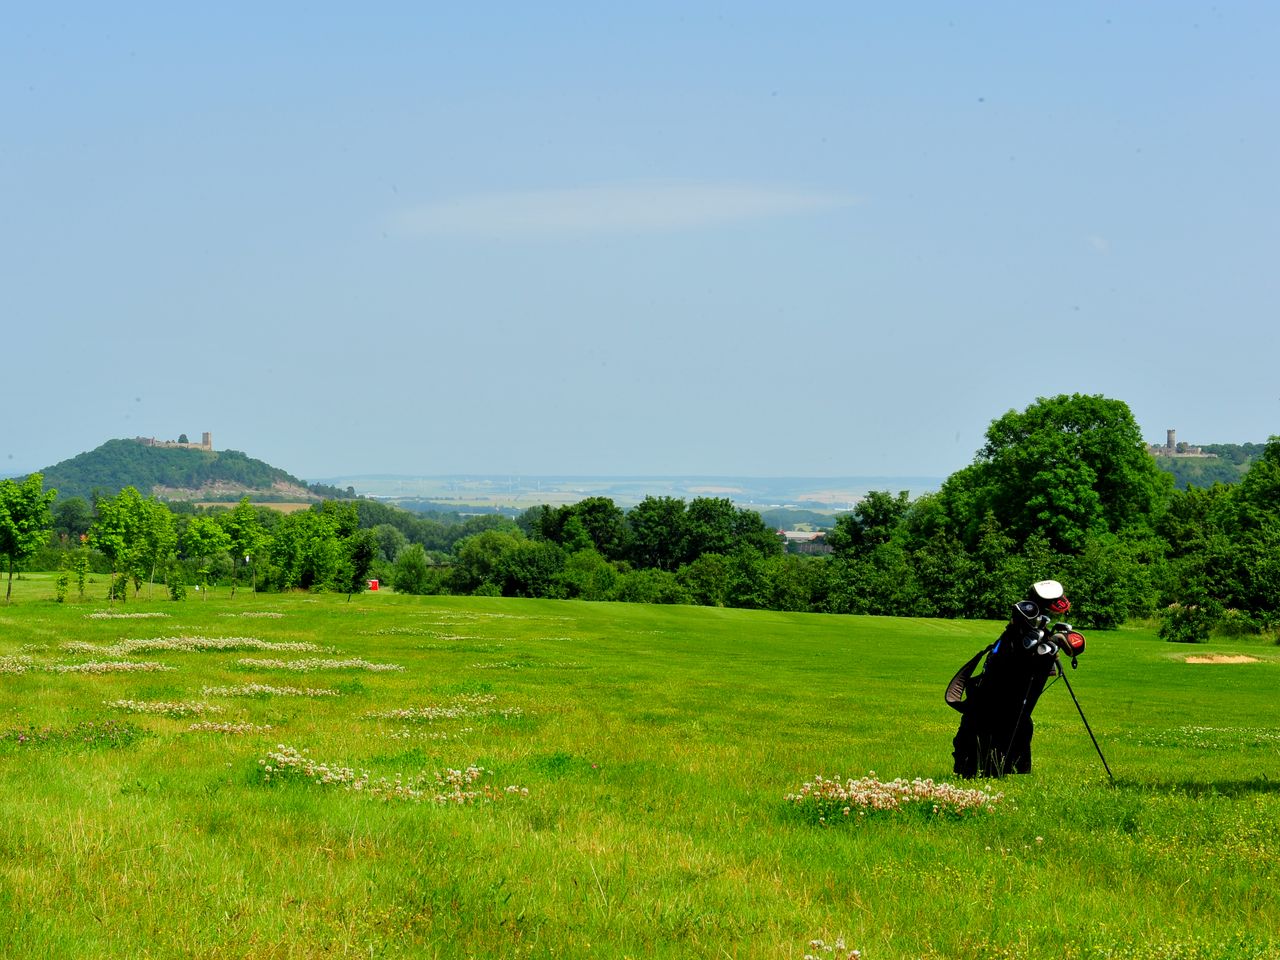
(174, 473)
(1222, 463)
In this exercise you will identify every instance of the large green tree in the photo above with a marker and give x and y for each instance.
(117, 531)
(204, 541)
(1069, 467)
(658, 535)
(247, 538)
(25, 520)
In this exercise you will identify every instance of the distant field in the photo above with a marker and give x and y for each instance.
(656, 746)
(281, 507)
(822, 493)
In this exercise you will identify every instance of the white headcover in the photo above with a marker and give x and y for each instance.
(1047, 590)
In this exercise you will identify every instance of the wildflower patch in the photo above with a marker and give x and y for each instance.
(214, 726)
(315, 663)
(165, 708)
(105, 615)
(264, 690)
(189, 645)
(463, 706)
(828, 801)
(444, 788)
(110, 666)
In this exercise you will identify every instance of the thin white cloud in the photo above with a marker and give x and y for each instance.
(634, 208)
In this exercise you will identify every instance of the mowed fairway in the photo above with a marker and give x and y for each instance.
(656, 746)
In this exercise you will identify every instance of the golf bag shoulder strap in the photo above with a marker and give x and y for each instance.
(956, 688)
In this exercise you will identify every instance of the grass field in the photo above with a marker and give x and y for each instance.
(637, 762)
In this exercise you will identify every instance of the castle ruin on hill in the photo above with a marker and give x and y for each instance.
(1172, 448)
(205, 444)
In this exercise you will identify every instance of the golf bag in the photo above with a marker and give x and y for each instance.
(996, 705)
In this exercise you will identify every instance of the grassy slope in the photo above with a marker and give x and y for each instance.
(657, 744)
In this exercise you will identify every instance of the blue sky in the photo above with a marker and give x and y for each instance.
(708, 239)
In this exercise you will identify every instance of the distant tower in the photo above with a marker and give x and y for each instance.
(206, 441)
(1171, 444)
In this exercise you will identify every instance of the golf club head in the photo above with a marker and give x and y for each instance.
(1071, 642)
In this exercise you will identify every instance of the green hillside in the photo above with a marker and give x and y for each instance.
(172, 473)
(1228, 463)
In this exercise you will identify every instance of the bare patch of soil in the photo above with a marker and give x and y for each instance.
(1222, 658)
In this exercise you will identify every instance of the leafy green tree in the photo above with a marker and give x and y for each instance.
(657, 533)
(1110, 581)
(479, 561)
(947, 577)
(204, 540)
(588, 576)
(792, 582)
(80, 564)
(25, 520)
(413, 571)
(63, 584)
(158, 538)
(247, 537)
(710, 525)
(706, 579)
(72, 518)
(1067, 467)
(117, 531)
(531, 568)
(605, 523)
(750, 530)
(650, 586)
(872, 522)
(747, 583)
(391, 540)
(359, 551)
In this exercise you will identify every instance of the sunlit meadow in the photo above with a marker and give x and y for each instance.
(302, 776)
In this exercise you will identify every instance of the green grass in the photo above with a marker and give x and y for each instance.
(657, 745)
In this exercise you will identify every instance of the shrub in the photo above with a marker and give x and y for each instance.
(1190, 623)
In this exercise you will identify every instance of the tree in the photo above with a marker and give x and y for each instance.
(412, 573)
(25, 520)
(873, 521)
(531, 568)
(710, 525)
(358, 553)
(203, 540)
(706, 579)
(1069, 467)
(588, 576)
(658, 537)
(605, 523)
(116, 531)
(391, 540)
(247, 537)
(158, 538)
(479, 561)
(72, 518)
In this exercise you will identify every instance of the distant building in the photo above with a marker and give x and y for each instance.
(1172, 448)
(804, 541)
(205, 444)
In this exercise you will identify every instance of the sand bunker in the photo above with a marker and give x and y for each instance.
(1222, 658)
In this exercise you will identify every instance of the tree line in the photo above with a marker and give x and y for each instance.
(1064, 489)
